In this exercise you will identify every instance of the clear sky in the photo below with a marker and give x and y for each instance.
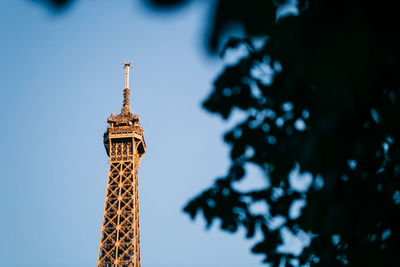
(60, 77)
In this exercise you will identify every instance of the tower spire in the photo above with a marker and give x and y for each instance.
(125, 106)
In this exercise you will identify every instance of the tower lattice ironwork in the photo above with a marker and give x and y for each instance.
(125, 145)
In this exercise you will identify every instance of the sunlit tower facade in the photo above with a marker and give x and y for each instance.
(125, 146)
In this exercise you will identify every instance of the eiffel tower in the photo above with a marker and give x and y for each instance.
(125, 145)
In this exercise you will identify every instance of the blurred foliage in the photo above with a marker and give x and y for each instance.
(55, 4)
(320, 92)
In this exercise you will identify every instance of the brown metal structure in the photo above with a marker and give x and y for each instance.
(120, 232)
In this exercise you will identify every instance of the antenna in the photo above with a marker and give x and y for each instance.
(127, 66)
(125, 106)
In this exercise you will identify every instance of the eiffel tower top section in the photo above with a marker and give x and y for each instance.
(126, 117)
(125, 124)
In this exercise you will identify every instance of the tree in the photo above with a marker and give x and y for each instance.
(329, 108)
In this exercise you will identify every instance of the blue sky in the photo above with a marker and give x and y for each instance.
(60, 77)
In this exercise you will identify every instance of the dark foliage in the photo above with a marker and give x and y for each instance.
(55, 4)
(330, 108)
(166, 3)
